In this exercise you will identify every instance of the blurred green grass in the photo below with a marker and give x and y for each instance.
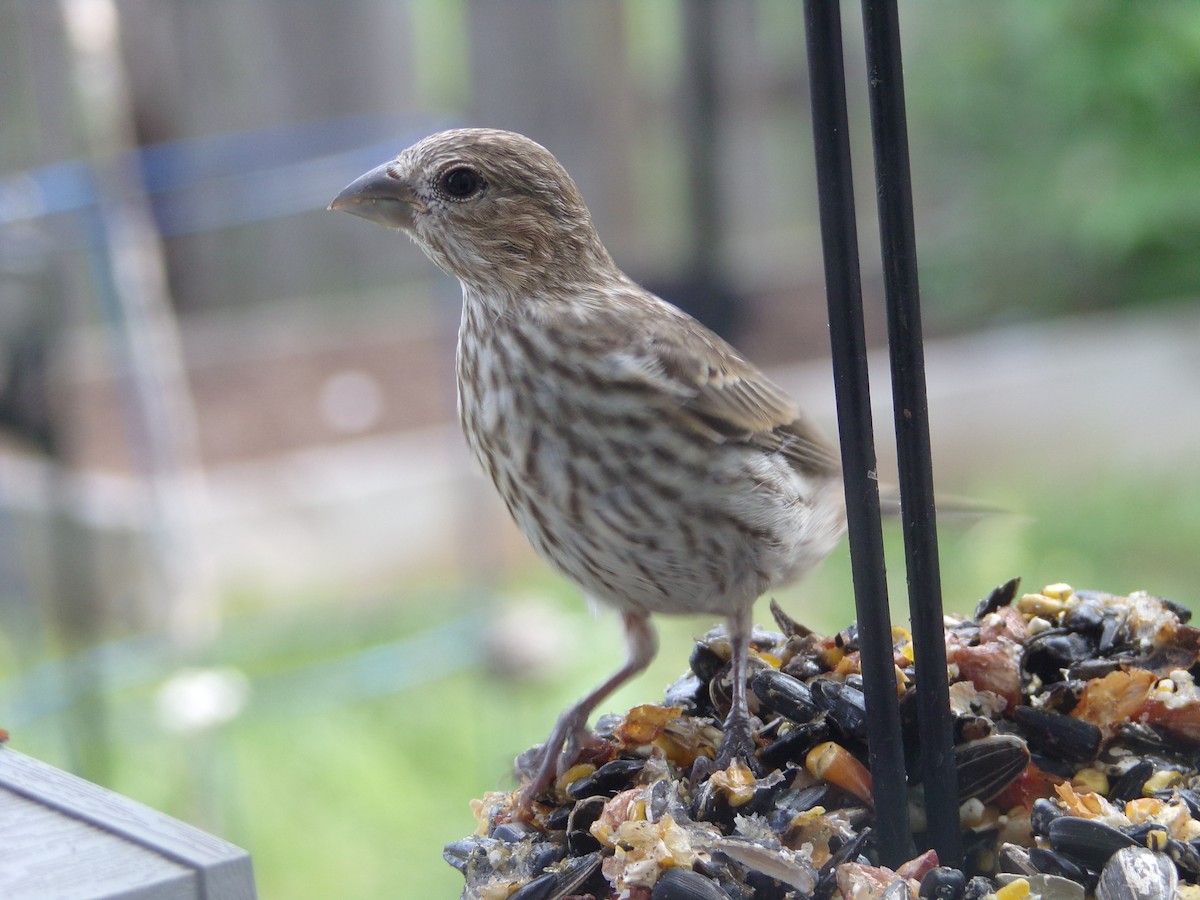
(338, 796)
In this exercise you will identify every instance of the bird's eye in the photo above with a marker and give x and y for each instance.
(461, 182)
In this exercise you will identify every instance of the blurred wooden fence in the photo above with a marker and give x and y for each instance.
(684, 122)
(605, 85)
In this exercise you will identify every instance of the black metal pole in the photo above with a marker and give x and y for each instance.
(897, 237)
(839, 241)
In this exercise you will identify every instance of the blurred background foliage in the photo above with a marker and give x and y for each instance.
(246, 574)
(1070, 132)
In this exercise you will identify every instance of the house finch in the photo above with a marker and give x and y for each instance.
(638, 452)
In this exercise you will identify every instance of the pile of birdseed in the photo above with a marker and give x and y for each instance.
(1077, 730)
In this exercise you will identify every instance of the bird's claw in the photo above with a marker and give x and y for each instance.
(553, 759)
(738, 746)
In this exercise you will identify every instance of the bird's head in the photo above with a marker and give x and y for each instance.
(492, 208)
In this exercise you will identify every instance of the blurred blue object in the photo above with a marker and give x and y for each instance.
(137, 662)
(216, 182)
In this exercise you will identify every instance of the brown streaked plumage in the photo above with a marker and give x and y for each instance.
(638, 451)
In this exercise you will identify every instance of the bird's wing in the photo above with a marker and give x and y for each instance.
(726, 394)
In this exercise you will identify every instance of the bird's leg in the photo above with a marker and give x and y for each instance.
(561, 748)
(738, 742)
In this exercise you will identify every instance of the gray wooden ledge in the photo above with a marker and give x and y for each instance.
(63, 838)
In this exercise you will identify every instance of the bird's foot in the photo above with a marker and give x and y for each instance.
(570, 734)
(738, 744)
(553, 759)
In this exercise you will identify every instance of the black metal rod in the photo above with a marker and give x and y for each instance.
(898, 241)
(839, 240)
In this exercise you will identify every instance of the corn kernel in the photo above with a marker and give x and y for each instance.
(1157, 840)
(1014, 890)
(1040, 605)
(1188, 831)
(573, 774)
(1139, 809)
(498, 891)
(736, 783)
(1089, 779)
(1059, 591)
(801, 819)
(1162, 780)
(832, 762)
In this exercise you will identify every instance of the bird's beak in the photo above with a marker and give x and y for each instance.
(380, 197)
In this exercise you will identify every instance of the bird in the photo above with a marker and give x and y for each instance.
(641, 454)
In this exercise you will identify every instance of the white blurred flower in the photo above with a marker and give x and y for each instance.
(199, 699)
(351, 401)
(529, 637)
